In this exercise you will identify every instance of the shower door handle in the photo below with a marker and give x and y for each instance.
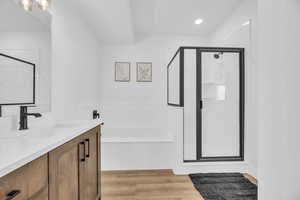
(201, 104)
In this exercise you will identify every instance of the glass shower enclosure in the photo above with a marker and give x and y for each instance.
(209, 82)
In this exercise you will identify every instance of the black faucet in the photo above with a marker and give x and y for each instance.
(24, 117)
(96, 114)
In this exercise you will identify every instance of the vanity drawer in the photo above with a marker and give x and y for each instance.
(14, 182)
(27, 182)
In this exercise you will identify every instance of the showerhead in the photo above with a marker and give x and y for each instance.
(217, 55)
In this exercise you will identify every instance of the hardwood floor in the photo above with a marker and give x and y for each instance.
(149, 185)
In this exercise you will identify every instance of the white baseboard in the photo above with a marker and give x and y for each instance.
(212, 167)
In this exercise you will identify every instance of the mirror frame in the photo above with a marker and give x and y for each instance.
(34, 77)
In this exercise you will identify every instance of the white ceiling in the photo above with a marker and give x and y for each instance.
(110, 19)
(122, 21)
(178, 16)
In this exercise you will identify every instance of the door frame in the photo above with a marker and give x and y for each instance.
(241, 52)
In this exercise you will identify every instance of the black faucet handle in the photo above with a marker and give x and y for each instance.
(24, 117)
(24, 112)
(96, 114)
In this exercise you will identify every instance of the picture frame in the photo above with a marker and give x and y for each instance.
(122, 71)
(144, 71)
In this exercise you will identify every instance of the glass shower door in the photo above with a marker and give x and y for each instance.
(220, 96)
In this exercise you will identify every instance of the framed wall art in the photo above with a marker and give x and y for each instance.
(144, 72)
(122, 71)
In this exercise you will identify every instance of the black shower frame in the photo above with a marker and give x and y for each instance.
(199, 51)
(34, 81)
(181, 78)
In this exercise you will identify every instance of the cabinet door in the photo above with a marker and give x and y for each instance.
(89, 168)
(63, 171)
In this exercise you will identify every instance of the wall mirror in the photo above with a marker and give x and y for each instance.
(17, 81)
(25, 57)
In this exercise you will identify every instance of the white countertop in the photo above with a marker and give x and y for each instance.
(26, 146)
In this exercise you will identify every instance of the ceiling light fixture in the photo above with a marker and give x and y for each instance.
(43, 4)
(28, 5)
(199, 21)
(246, 23)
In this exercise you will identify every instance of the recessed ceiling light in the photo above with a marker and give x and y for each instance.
(198, 21)
(246, 23)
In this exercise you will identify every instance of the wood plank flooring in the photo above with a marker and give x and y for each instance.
(149, 185)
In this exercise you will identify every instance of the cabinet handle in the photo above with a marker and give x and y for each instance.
(88, 145)
(83, 158)
(11, 195)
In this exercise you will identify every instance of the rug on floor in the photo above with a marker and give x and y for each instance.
(224, 186)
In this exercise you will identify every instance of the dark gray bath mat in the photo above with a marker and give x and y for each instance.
(224, 186)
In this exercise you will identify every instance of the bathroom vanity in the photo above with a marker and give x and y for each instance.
(63, 165)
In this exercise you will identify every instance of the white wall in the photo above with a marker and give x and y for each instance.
(138, 111)
(75, 63)
(279, 161)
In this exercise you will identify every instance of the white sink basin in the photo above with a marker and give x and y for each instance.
(37, 132)
(11, 135)
(66, 125)
(30, 133)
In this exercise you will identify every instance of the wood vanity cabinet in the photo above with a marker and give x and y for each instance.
(73, 168)
(29, 182)
(69, 172)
